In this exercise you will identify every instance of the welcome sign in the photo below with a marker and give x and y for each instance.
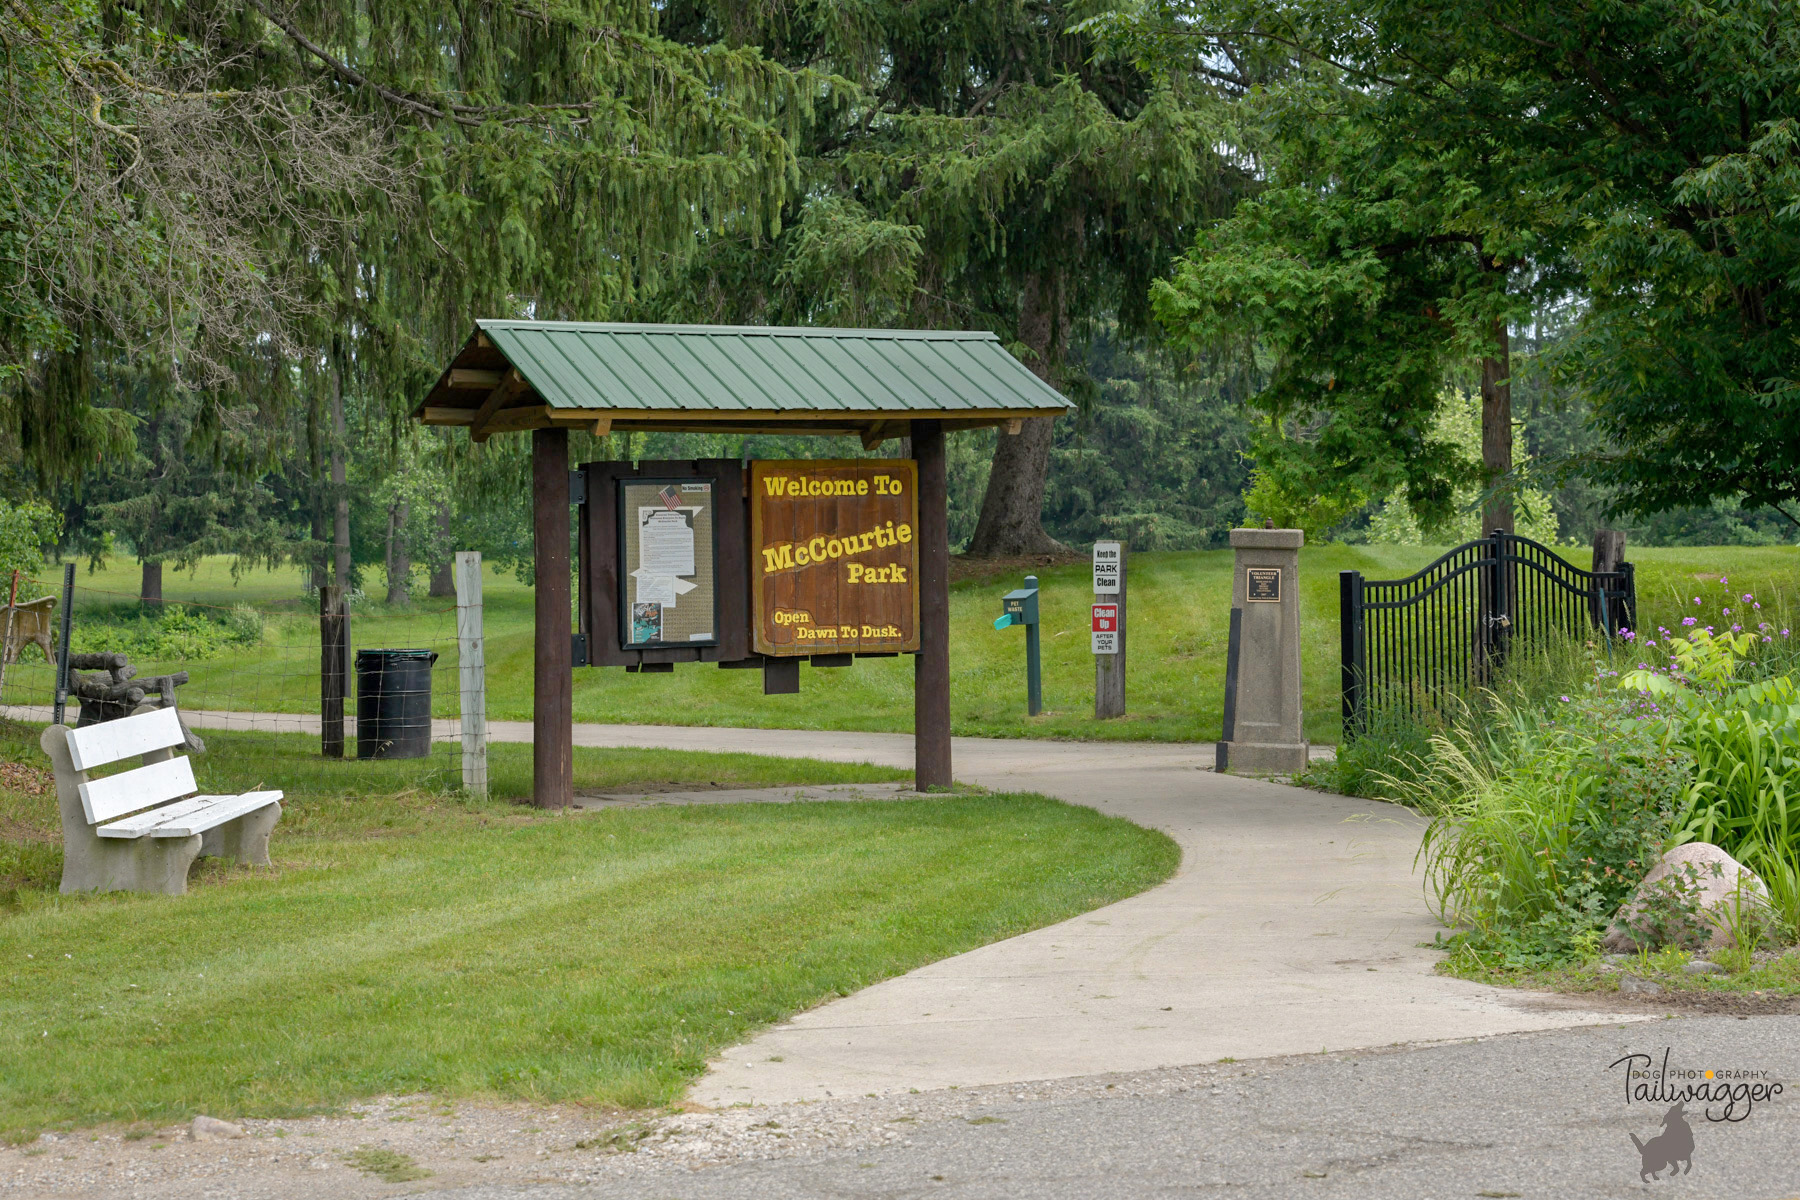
(834, 556)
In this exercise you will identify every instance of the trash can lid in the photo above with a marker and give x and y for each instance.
(395, 655)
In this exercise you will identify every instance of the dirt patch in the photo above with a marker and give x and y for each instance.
(987, 570)
(26, 779)
(1695, 1001)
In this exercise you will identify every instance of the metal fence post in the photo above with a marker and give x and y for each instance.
(333, 653)
(472, 669)
(62, 645)
(1350, 618)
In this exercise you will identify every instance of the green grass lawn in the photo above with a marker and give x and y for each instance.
(1180, 606)
(330, 796)
(416, 941)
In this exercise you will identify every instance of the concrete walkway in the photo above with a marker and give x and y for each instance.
(1294, 925)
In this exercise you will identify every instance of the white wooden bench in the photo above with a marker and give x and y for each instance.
(139, 830)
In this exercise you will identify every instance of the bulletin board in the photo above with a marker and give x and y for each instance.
(668, 571)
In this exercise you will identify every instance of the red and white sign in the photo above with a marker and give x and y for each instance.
(1106, 629)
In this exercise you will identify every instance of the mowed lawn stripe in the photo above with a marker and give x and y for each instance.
(598, 958)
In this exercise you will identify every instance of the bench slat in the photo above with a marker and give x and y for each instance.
(128, 791)
(110, 741)
(184, 818)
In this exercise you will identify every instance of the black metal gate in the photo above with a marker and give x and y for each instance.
(1443, 631)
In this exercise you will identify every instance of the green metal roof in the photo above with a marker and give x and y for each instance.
(760, 369)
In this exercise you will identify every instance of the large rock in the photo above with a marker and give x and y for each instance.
(1631, 927)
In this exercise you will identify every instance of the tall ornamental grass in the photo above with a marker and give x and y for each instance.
(1552, 794)
(1541, 825)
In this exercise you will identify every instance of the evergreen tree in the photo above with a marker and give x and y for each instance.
(993, 171)
(186, 491)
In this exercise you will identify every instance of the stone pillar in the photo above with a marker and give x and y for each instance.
(1262, 732)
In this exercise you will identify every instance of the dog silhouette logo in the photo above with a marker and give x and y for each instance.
(1672, 1148)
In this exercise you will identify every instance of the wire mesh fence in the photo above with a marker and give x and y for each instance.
(250, 678)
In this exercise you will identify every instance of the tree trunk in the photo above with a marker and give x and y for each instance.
(321, 566)
(340, 531)
(443, 576)
(399, 558)
(1011, 521)
(1497, 434)
(150, 592)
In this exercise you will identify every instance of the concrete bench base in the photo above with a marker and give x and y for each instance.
(92, 863)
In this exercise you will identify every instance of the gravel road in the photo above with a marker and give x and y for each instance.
(1527, 1115)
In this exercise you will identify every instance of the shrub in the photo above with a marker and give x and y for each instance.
(175, 634)
(1391, 749)
(244, 625)
(1542, 827)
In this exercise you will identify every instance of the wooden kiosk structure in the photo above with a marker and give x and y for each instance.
(774, 546)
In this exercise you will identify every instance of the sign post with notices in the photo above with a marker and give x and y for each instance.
(1109, 630)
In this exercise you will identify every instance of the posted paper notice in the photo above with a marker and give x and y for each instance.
(665, 543)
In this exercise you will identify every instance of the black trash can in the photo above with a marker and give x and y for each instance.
(393, 703)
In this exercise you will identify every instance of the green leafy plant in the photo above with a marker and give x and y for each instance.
(1668, 911)
(176, 634)
(1541, 829)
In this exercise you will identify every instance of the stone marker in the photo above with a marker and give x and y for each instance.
(1262, 671)
(205, 1128)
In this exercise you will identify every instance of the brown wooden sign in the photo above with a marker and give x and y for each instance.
(834, 556)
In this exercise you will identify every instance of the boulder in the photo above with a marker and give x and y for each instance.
(1693, 869)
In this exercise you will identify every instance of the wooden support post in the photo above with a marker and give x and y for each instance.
(1109, 669)
(471, 659)
(12, 607)
(931, 665)
(1609, 559)
(333, 657)
(553, 678)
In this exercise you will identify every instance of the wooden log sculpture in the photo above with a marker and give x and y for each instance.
(34, 624)
(120, 692)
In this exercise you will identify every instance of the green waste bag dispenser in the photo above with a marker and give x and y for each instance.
(1021, 608)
